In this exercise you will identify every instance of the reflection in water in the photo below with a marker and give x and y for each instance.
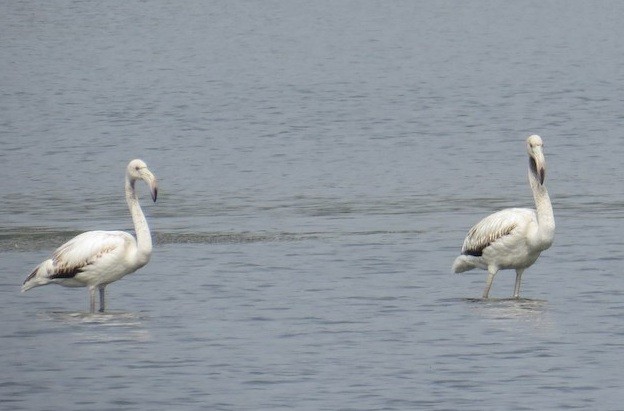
(527, 303)
(507, 312)
(112, 326)
(111, 318)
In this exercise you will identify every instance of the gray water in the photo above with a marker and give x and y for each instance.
(319, 165)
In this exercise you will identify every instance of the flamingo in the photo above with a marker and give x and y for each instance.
(95, 259)
(513, 237)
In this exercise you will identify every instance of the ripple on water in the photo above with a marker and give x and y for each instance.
(107, 327)
(110, 318)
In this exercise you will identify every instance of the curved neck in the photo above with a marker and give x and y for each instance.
(143, 236)
(545, 215)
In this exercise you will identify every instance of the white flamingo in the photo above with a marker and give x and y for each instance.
(97, 258)
(513, 237)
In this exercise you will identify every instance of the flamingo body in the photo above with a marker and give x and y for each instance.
(512, 238)
(95, 259)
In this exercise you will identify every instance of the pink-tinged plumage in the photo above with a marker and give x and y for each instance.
(97, 258)
(512, 238)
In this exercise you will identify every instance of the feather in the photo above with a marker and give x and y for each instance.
(86, 249)
(494, 227)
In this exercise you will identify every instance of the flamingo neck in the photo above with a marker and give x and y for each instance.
(545, 216)
(143, 236)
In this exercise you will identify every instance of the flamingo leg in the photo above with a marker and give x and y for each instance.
(102, 298)
(519, 272)
(490, 279)
(92, 299)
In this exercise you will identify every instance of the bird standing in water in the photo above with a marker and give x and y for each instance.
(97, 258)
(513, 237)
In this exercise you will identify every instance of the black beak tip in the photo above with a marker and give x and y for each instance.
(155, 194)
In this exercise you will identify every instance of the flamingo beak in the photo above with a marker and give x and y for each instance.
(151, 181)
(153, 185)
(538, 165)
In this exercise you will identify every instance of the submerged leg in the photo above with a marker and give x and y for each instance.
(519, 272)
(491, 273)
(92, 299)
(102, 298)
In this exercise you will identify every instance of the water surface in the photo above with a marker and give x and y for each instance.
(319, 165)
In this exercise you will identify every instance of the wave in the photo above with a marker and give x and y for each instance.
(39, 238)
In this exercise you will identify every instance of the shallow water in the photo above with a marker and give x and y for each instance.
(319, 165)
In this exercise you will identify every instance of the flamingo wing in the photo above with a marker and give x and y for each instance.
(85, 249)
(494, 227)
